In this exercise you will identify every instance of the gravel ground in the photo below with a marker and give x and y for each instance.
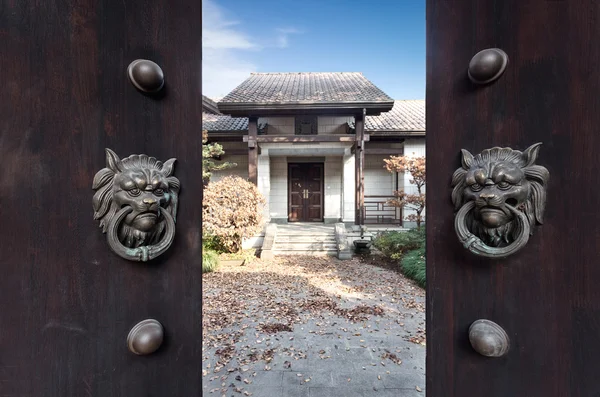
(312, 326)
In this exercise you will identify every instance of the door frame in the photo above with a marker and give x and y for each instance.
(321, 165)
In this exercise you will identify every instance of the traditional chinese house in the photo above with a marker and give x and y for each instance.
(314, 144)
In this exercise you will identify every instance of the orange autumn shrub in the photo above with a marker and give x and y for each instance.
(232, 209)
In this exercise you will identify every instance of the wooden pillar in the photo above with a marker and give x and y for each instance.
(359, 164)
(252, 150)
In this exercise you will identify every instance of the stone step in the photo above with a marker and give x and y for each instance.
(306, 239)
(305, 246)
(305, 252)
(303, 233)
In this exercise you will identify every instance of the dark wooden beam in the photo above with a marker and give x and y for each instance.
(252, 150)
(235, 152)
(303, 138)
(359, 171)
(225, 137)
(385, 152)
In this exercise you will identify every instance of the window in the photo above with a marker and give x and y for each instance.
(306, 125)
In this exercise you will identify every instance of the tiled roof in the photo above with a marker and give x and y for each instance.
(218, 122)
(405, 116)
(282, 88)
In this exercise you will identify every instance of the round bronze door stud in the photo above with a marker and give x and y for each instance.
(145, 337)
(487, 65)
(146, 75)
(488, 338)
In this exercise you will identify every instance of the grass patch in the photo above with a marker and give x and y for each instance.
(248, 255)
(210, 260)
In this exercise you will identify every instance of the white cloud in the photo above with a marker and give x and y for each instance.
(224, 45)
(222, 71)
(283, 35)
(223, 67)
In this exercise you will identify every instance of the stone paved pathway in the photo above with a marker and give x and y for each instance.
(306, 326)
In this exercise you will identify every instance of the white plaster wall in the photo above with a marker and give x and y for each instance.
(379, 182)
(333, 124)
(278, 125)
(278, 195)
(414, 146)
(241, 169)
(264, 182)
(333, 187)
(349, 183)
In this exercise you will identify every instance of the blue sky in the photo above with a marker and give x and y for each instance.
(383, 39)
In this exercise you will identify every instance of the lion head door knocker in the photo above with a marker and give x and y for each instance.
(136, 204)
(500, 196)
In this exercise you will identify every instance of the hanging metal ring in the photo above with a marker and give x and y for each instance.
(477, 246)
(144, 253)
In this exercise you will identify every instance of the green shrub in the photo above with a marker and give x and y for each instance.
(210, 260)
(408, 248)
(395, 244)
(412, 265)
(213, 243)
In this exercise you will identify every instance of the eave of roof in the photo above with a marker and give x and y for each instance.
(209, 105)
(407, 118)
(291, 108)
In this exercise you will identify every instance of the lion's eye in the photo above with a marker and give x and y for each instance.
(504, 185)
(159, 192)
(476, 187)
(134, 192)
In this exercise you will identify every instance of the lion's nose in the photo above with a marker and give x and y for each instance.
(149, 201)
(487, 197)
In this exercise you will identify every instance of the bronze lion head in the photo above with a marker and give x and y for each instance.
(500, 194)
(135, 201)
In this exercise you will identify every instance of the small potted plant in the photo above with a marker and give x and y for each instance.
(362, 246)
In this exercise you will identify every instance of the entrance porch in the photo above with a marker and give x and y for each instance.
(316, 182)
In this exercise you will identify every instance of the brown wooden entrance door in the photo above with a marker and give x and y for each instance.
(305, 192)
(67, 301)
(546, 296)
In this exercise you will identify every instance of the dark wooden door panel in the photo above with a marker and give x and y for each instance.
(545, 296)
(305, 192)
(315, 192)
(295, 193)
(67, 302)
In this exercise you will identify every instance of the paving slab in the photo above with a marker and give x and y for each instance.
(306, 326)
